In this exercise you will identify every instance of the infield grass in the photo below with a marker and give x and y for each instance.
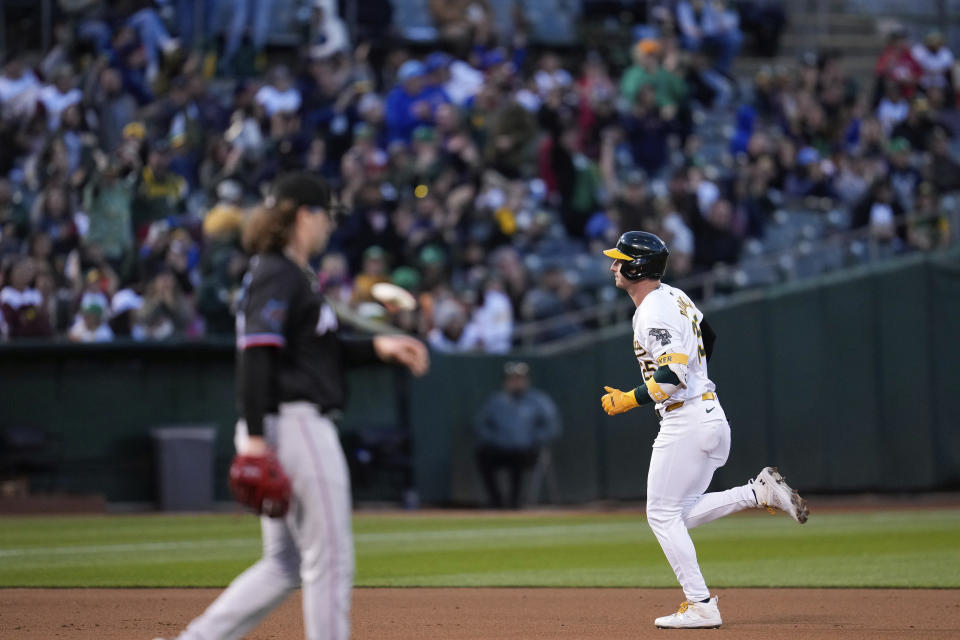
(863, 549)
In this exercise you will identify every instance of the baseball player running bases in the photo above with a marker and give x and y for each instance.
(672, 343)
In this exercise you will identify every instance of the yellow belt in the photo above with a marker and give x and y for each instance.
(709, 395)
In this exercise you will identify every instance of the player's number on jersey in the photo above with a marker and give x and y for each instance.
(645, 359)
(701, 352)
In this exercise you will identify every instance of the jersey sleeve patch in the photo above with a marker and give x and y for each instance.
(661, 335)
(269, 301)
(273, 314)
(672, 358)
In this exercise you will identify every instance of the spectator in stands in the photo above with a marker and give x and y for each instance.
(460, 22)
(279, 96)
(165, 313)
(810, 180)
(407, 103)
(494, 318)
(943, 169)
(648, 70)
(717, 241)
(765, 21)
(918, 126)
(57, 302)
(181, 123)
(374, 270)
(22, 305)
(457, 78)
(896, 65)
(556, 300)
(451, 331)
(511, 429)
(927, 226)
(160, 192)
(252, 18)
(19, 89)
(675, 230)
(53, 214)
(577, 179)
(192, 33)
(510, 139)
(871, 140)
(14, 217)
(108, 202)
(904, 178)
(893, 107)
(89, 325)
(59, 94)
(881, 213)
(334, 277)
(427, 161)
(944, 113)
(646, 128)
(153, 37)
(852, 180)
(115, 107)
(710, 25)
(124, 305)
(702, 187)
(936, 63)
(632, 204)
(328, 32)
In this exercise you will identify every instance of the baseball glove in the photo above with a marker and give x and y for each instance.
(259, 482)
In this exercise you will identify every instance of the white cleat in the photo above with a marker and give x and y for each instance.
(773, 492)
(693, 615)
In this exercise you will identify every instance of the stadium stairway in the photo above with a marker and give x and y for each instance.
(816, 25)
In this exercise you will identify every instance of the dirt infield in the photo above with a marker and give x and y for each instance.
(455, 614)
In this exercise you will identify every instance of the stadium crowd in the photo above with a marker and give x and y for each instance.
(483, 175)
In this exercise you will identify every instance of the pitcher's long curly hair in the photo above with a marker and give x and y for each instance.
(272, 223)
(270, 226)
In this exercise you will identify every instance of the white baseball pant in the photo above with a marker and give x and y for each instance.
(692, 443)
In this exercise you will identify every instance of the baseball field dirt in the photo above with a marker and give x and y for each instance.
(528, 614)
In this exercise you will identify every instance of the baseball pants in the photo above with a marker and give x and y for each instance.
(311, 547)
(691, 445)
(491, 459)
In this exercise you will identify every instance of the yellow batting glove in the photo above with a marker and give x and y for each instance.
(616, 401)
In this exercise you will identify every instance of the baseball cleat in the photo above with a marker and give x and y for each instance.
(773, 492)
(693, 615)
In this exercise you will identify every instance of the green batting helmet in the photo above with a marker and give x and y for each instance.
(644, 255)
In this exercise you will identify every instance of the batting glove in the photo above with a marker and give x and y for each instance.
(616, 401)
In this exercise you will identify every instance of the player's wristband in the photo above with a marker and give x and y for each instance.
(642, 395)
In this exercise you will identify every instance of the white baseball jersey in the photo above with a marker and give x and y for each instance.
(666, 329)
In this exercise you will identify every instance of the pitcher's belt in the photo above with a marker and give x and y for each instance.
(709, 395)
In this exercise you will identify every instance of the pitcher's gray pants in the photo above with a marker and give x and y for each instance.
(311, 547)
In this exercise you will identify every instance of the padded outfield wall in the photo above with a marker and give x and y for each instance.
(848, 383)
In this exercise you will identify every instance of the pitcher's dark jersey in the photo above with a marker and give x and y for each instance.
(288, 342)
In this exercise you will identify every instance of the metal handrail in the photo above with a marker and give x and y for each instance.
(720, 277)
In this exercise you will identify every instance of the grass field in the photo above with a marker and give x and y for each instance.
(858, 549)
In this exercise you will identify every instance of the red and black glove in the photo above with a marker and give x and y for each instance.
(259, 482)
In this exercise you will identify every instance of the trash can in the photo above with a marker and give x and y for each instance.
(185, 466)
